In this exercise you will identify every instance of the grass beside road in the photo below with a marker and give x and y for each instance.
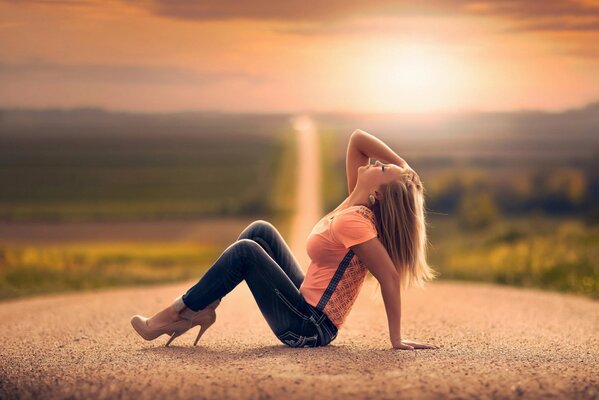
(282, 196)
(332, 169)
(94, 165)
(27, 270)
(537, 251)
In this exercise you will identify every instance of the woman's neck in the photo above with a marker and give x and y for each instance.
(359, 197)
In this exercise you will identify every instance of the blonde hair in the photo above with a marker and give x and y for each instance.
(401, 223)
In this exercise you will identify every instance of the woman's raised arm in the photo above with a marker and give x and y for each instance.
(361, 147)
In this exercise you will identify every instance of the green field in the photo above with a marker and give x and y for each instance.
(27, 270)
(67, 167)
(558, 253)
(91, 165)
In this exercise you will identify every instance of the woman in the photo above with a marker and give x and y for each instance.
(380, 227)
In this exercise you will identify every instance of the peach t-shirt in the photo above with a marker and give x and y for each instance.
(333, 265)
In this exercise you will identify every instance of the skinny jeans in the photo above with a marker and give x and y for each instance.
(262, 259)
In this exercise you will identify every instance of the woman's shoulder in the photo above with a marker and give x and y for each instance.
(354, 225)
(351, 210)
(356, 212)
(365, 212)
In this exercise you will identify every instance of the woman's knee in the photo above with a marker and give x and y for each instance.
(247, 246)
(262, 224)
(250, 254)
(256, 227)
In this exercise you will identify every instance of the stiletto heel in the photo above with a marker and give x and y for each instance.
(173, 336)
(203, 328)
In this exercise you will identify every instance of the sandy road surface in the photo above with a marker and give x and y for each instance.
(495, 343)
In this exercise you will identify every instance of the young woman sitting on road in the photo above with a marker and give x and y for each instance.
(380, 227)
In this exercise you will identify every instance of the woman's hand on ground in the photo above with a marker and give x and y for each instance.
(407, 344)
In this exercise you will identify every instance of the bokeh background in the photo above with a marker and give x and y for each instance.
(137, 138)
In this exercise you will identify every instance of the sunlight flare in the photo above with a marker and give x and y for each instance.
(414, 77)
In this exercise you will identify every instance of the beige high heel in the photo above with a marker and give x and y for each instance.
(205, 318)
(188, 319)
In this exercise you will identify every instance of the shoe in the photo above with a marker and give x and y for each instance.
(205, 318)
(187, 319)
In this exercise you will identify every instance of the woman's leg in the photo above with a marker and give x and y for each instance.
(277, 295)
(267, 236)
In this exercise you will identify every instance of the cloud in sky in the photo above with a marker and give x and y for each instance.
(119, 74)
(568, 22)
(554, 15)
(546, 15)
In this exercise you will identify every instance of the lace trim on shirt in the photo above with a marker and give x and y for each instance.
(367, 213)
(346, 292)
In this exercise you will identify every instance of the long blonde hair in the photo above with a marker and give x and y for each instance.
(401, 223)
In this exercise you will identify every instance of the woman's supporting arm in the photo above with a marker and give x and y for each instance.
(374, 256)
(392, 299)
(372, 147)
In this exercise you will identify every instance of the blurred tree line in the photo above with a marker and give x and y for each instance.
(479, 196)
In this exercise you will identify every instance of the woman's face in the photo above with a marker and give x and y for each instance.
(377, 174)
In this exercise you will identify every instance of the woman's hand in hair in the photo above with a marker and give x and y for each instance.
(413, 176)
(407, 344)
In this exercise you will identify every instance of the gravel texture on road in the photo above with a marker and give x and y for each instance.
(496, 342)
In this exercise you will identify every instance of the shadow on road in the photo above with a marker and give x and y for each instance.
(370, 359)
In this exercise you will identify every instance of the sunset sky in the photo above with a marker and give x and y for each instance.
(300, 56)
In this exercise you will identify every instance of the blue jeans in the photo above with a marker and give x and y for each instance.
(261, 257)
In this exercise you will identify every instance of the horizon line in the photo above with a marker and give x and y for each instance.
(108, 110)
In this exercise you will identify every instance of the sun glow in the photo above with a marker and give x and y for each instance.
(413, 78)
(415, 70)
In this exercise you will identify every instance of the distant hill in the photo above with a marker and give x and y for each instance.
(571, 133)
(91, 121)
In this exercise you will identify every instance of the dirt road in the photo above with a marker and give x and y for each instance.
(496, 342)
